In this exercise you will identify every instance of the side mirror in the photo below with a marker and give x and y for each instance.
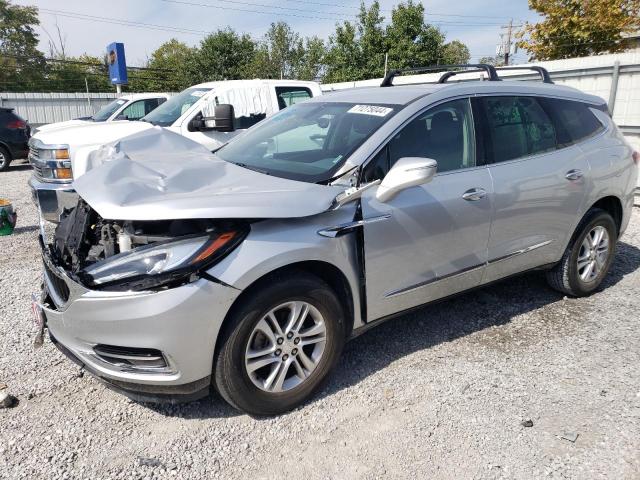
(224, 116)
(407, 172)
(196, 124)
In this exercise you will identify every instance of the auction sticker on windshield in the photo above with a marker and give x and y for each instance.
(371, 110)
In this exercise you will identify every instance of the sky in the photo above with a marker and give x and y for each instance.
(90, 25)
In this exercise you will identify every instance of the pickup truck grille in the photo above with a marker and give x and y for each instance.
(34, 160)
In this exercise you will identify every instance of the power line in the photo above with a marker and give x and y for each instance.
(77, 62)
(427, 12)
(117, 21)
(151, 26)
(340, 16)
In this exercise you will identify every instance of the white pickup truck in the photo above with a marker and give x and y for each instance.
(210, 114)
(133, 106)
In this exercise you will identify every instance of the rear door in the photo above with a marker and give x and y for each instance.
(430, 241)
(539, 182)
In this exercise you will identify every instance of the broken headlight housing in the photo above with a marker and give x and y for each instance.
(161, 264)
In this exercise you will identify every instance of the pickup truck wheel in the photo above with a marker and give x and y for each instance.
(588, 257)
(5, 159)
(280, 346)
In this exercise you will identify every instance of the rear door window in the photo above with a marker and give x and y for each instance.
(139, 109)
(574, 120)
(517, 127)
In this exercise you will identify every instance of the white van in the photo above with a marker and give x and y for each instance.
(210, 114)
(128, 107)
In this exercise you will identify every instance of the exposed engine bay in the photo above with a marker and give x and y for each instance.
(83, 238)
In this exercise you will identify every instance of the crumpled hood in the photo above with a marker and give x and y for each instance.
(160, 175)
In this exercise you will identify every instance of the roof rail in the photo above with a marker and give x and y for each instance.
(544, 74)
(478, 67)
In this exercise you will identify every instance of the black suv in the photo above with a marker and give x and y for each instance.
(14, 135)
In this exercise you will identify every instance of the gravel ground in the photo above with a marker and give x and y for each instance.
(440, 393)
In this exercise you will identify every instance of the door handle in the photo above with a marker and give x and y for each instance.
(574, 175)
(474, 194)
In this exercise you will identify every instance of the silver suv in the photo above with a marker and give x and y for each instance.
(249, 268)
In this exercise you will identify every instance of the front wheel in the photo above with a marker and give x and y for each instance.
(588, 257)
(280, 345)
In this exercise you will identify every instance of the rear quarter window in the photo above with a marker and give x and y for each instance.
(574, 120)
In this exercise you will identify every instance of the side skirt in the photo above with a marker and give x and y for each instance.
(375, 323)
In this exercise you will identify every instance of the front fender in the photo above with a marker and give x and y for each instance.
(277, 243)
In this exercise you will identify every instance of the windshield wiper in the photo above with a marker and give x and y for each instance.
(251, 167)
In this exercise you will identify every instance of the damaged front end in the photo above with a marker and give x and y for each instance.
(116, 255)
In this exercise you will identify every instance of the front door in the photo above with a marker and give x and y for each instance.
(433, 240)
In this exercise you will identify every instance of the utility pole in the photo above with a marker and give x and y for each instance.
(507, 46)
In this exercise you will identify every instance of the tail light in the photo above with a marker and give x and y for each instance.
(16, 124)
(636, 158)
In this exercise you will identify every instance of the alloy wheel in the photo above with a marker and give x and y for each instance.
(593, 255)
(285, 346)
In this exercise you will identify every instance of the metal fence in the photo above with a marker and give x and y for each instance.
(42, 108)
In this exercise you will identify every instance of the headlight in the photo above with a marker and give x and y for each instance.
(162, 263)
(54, 154)
(51, 161)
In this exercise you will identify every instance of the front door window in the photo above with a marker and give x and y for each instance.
(444, 133)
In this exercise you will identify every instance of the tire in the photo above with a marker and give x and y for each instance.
(567, 277)
(246, 338)
(5, 159)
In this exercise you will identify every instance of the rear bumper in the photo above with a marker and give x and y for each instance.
(52, 198)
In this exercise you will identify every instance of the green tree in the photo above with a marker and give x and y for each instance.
(357, 50)
(170, 64)
(74, 74)
(311, 64)
(579, 28)
(223, 55)
(454, 52)
(411, 42)
(21, 63)
(372, 41)
(496, 61)
(285, 51)
(342, 59)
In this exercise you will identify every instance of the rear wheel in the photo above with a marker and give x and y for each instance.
(280, 346)
(588, 257)
(5, 159)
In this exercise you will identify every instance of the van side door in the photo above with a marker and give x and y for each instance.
(429, 241)
(540, 180)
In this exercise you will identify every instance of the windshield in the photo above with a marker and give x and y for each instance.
(105, 112)
(308, 141)
(174, 108)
